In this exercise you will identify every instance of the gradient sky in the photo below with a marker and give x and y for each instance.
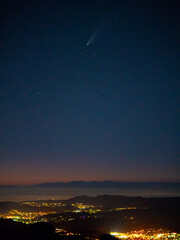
(89, 91)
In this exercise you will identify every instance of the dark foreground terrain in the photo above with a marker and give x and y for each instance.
(39, 231)
(87, 217)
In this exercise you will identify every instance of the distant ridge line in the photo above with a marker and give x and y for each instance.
(108, 184)
(104, 184)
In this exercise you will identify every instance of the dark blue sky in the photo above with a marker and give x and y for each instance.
(108, 110)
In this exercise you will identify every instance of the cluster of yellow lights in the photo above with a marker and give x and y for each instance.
(129, 208)
(147, 235)
(23, 216)
(125, 208)
(85, 208)
(82, 206)
(64, 232)
(44, 204)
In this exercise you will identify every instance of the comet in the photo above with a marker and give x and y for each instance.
(92, 38)
(94, 35)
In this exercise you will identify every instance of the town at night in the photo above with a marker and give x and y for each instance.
(89, 120)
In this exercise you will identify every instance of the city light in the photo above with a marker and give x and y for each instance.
(147, 235)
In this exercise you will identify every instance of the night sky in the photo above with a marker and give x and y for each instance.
(89, 91)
